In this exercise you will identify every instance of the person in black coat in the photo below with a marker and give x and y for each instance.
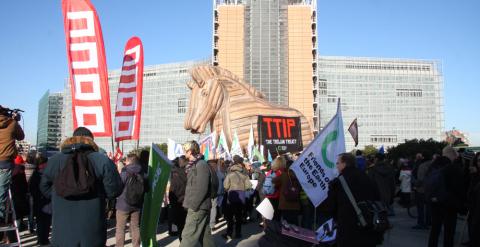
(337, 204)
(42, 208)
(81, 222)
(178, 183)
(474, 203)
(444, 212)
(383, 175)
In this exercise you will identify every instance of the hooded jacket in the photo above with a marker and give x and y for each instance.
(80, 222)
(237, 180)
(10, 131)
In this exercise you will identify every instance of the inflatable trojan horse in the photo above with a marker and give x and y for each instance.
(224, 102)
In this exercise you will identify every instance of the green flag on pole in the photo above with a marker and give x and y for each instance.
(259, 155)
(159, 167)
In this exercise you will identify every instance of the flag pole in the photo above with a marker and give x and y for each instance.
(113, 147)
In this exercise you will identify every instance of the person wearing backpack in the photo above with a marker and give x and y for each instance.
(289, 199)
(78, 202)
(337, 205)
(444, 190)
(197, 201)
(236, 184)
(272, 190)
(129, 203)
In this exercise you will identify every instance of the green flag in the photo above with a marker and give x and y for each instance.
(159, 167)
(259, 155)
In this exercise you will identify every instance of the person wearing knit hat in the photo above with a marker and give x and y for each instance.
(82, 131)
(450, 153)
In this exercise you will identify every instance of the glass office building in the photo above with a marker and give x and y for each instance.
(165, 102)
(271, 44)
(392, 99)
(49, 124)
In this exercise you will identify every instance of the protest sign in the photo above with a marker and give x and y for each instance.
(265, 208)
(158, 173)
(315, 167)
(280, 134)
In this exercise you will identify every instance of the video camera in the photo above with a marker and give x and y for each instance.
(12, 113)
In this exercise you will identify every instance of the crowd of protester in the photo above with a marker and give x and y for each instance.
(441, 187)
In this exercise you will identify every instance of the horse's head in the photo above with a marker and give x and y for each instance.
(205, 100)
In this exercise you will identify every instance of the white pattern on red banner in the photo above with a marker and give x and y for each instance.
(128, 111)
(87, 67)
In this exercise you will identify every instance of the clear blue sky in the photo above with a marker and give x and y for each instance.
(34, 54)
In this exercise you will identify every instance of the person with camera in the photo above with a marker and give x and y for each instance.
(10, 131)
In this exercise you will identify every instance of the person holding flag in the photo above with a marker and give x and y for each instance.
(338, 205)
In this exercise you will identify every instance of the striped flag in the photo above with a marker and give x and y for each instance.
(353, 130)
(129, 98)
(88, 67)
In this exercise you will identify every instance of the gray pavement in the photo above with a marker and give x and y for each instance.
(400, 236)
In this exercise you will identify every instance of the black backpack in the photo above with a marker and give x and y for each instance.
(213, 183)
(134, 189)
(77, 179)
(435, 186)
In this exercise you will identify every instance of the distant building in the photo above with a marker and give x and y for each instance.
(272, 45)
(49, 124)
(165, 102)
(393, 99)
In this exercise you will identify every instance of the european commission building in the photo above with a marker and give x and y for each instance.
(392, 99)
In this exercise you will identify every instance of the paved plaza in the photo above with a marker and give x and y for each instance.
(400, 236)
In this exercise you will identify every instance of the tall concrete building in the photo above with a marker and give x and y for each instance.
(392, 99)
(49, 124)
(271, 44)
(165, 102)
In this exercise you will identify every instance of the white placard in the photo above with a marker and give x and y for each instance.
(266, 209)
(254, 183)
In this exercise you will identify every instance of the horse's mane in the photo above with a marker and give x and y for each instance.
(202, 73)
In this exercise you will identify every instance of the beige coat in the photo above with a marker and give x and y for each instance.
(237, 180)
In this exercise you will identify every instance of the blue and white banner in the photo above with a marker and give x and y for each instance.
(316, 166)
